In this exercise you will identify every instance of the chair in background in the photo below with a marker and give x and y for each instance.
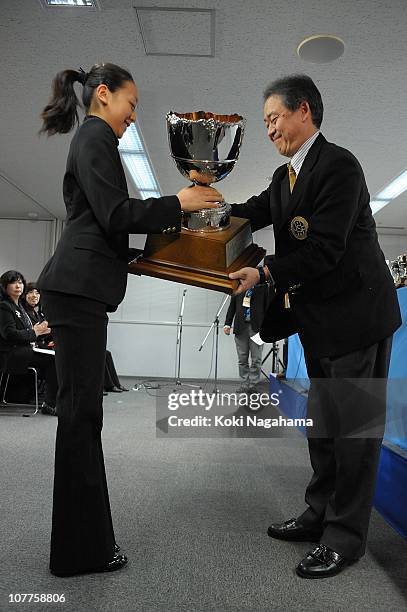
(5, 376)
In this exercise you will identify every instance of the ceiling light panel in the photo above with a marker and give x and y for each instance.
(140, 170)
(137, 162)
(377, 205)
(70, 3)
(395, 188)
(177, 31)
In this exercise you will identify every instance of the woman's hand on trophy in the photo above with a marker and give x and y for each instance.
(247, 277)
(197, 197)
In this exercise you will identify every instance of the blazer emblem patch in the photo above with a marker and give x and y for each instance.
(299, 228)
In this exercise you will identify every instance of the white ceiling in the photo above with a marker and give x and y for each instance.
(364, 91)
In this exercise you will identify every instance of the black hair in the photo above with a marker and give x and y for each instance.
(28, 287)
(60, 115)
(295, 89)
(31, 287)
(11, 276)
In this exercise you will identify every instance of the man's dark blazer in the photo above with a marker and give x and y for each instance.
(13, 328)
(92, 254)
(258, 305)
(345, 297)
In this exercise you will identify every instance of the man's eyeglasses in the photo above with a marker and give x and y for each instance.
(272, 122)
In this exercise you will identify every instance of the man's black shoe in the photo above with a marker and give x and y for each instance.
(116, 563)
(322, 562)
(115, 390)
(293, 531)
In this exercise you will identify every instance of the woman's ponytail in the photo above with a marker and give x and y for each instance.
(60, 115)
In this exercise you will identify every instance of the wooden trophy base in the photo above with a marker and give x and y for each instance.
(200, 259)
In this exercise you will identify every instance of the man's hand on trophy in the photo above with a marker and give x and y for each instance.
(197, 197)
(247, 277)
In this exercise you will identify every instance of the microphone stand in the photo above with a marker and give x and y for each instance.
(215, 327)
(178, 346)
(276, 361)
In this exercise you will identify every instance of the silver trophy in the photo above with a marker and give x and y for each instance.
(398, 269)
(205, 147)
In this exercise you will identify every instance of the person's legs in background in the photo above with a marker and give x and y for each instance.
(242, 341)
(112, 382)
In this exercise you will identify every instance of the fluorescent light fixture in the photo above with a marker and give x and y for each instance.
(377, 205)
(395, 188)
(90, 3)
(137, 161)
(140, 170)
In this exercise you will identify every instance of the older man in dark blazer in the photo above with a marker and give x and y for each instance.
(332, 287)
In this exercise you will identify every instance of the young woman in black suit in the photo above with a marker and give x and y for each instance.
(30, 301)
(17, 335)
(85, 278)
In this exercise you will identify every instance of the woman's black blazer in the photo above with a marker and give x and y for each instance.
(13, 328)
(91, 259)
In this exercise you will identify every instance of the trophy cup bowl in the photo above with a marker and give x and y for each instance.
(211, 244)
(205, 148)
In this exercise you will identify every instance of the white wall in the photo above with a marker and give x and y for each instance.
(393, 245)
(142, 333)
(25, 246)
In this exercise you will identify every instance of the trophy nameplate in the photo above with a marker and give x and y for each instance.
(211, 244)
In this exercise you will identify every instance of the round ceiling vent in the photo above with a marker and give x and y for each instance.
(321, 48)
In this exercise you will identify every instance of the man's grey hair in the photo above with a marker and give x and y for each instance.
(295, 89)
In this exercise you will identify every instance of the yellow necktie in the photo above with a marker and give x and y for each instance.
(292, 177)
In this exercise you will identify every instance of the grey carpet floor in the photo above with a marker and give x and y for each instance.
(191, 514)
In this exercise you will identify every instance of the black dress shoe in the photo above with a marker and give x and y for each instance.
(122, 388)
(116, 563)
(293, 531)
(47, 409)
(322, 562)
(114, 390)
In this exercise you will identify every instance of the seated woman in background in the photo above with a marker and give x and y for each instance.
(30, 301)
(18, 334)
